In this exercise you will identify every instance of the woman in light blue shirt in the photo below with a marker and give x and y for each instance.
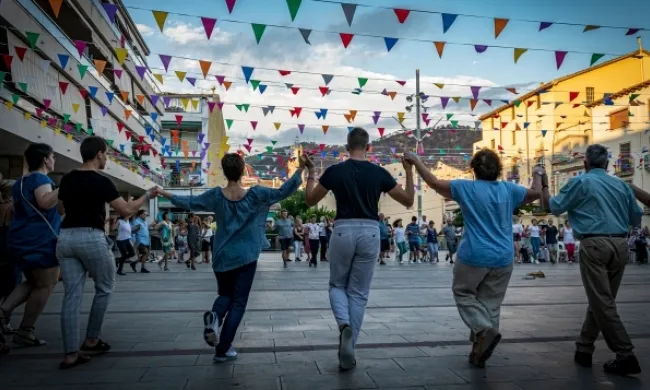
(241, 217)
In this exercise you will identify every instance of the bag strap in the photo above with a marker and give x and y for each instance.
(36, 209)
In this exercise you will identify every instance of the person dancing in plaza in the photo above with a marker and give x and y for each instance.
(206, 239)
(166, 233)
(449, 232)
(284, 226)
(601, 209)
(517, 233)
(432, 242)
(140, 230)
(124, 244)
(32, 242)
(400, 240)
(384, 239)
(484, 260)
(193, 240)
(314, 240)
(413, 235)
(83, 248)
(298, 238)
(357, 186)
(240, 215)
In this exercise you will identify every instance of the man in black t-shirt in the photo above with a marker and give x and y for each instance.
(355, 243)
(551, 239)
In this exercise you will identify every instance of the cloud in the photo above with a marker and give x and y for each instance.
(184, 33)
(144, 30)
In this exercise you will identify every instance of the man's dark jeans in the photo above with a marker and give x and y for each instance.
(234, 287)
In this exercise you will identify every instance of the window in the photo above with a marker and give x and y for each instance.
(590, 94)
(493, 144)
(619, 119)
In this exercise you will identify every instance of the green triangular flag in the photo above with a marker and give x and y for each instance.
(634, 96)
(255, 84)
(457, 147)
(274, 142)
(246, 107)
(269, 149)
(239, 106)
(517, 103)
(293, 5)
(66, 118)
(362, 81)
(23, 87)
(449, 116)
(442, 151)
(82, 70)
(454, 124)
(595, 57)
(229, 123)
(90, 131)
(14, 98)
(78, 127)
(110, 142)
(2, 77)
(630, 113)
(258, 29)
(32, 37)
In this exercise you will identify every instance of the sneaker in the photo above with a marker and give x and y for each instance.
(347, 360)
(211, 331)
(623, 366)
(451, 262)
(133, 264)
(144, 270)
(419, 261)
(285, 265)
(583, 359)
(382, 262)
(120, 272)
(226, 357)
(487, 342)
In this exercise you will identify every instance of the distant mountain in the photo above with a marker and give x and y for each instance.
(443, 143)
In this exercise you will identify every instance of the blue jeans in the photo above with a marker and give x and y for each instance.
(353, 253)
(433, 250)
(234, 287)
(535, 242)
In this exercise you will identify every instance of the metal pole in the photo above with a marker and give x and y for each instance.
(418, 135)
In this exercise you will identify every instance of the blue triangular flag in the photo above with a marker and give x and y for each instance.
(544, 133)
(163, 140)
(327, 78)
(390, 42)
(323, 113)
(93, 91)
(248, 72)
(350, 128)
(447, 21)
(323, 154)
(63, 60)
(122, 148)
(154, 116)
(262, 88)
(109, 96)
(318, 114)
(526, 124)
(148, 130)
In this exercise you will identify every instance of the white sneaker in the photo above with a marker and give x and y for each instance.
(419, 261)
(228, 356)
(211, 331)
(347, 361)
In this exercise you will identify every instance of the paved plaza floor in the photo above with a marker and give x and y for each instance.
(412, 336)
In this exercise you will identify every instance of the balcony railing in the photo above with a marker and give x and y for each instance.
(184, 182)
(625, 166)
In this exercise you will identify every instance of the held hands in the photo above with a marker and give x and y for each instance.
(541, 172)
(409, 160)
(305, 161)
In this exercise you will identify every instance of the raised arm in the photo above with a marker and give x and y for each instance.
(203, 202)
(131, 207)
(443, 187)
(538, 187)
(404, 196)
(641, 195)
(289, 187)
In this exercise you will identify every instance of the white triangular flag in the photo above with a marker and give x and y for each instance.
(45, 65)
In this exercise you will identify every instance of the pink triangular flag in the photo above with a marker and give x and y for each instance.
(230, 4)
(208, 25)
(221, 79)
(254, 124)
(81, 47)
(211, 106)
(559, 58)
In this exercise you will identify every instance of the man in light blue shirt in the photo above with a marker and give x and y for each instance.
(601, 209)
(485, 254)
(284, 227)
(142, 240)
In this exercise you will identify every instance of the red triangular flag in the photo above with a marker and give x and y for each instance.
(63, 86)
(248, 147)
(208, 25)
(400, 82)
(401, 14)
(120, 126)
(284, 72)
(83, 93)
(179, 119)
(346, 39)
(250, 140)
(500, 147)
(254, 124)
(295, 90)
(297, 111)
(7, 60)
(573, 95)
(20, 52)
(321, 147)
(381, 131)
(323, 90)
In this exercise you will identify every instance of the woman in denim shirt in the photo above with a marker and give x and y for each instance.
(241, 217)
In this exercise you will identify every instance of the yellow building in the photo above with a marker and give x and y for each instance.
(553, 123)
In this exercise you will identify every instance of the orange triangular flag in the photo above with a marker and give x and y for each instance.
(160, 17)
(127, 114)
(158, 77)
(392, 95)
(100, 65)
(227, 84)
(125, 96)
(56, 6)
(348, 117)
(205, 67)
(353, 114)
(517, 127)
(325, 128)
(440, 47)
(499, 25)
(140, 99)
(472, 103)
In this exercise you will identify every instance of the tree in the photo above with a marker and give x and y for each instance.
(295, 204)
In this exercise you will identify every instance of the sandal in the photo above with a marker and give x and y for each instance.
(26, 338)
(4, 348)
(81, 359)
(100, 347)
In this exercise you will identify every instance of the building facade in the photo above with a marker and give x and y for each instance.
(73, 70)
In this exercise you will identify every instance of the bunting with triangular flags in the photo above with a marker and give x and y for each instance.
(346, 39)
(160, 17)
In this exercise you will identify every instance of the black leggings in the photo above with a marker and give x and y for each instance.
(323, 247)
(313, 247)
(126, 252)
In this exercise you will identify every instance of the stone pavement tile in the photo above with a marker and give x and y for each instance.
(566, 357)
(520, 359)
(380, 353)
(242, 358)
(348, 380)
(248, 370)
(423, 377)
(443, 336)
(330, 365)
(163, 385)
(188, 336)
(157, 361)
(386, 331)
(499, 374)
(72, 377)
(169, 346)
(478, 386)
(57, 348)
(250, 383)
(306, 356)
(30, 366)
(424, 363)
(572, 370)
(447, 350)
(272, 335)
(299, 328)
(216, 371)
(518, 348)
(380, 339)
(572, 384)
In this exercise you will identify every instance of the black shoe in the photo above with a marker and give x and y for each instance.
(583, 359)
(451, 262)
(623, 367)
(144, 270)
(120, 272)
(133, 266)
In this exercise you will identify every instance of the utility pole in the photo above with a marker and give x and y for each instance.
(418, 136)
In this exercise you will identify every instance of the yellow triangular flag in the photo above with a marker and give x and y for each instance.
(225, 139)
(277, 125)
(400, 117)
(121, 54)
(27, 115)
(195, 104)
(161, 17)
(158, 77)
(180, 75)
(185, 102)
(43, 123)
(439, 85)
(69, 137)
(75, 107)
(455, 98)
(9, 105)
(57, 131)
